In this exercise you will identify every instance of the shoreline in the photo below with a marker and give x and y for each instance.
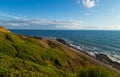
(100, 59)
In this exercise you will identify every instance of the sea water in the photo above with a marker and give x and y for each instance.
(90, 41)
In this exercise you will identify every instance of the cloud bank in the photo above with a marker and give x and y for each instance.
(42, 24)
(55, 25)
(23, 22)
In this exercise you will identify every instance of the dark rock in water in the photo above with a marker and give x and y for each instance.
(106, 59)
(103, 58)
(62, 41)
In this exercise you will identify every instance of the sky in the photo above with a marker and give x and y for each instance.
(60, 14)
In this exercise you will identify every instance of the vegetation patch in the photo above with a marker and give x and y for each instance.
(23, 56)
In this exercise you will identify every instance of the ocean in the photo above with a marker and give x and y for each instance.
(90, 41)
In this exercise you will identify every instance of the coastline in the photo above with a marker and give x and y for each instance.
(99, 59)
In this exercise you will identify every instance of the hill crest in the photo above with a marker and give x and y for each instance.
(2, 29)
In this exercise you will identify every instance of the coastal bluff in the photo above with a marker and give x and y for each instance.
(2, 29)
(29, 56)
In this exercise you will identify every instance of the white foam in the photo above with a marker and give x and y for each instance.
(91, 53)
(115, 58)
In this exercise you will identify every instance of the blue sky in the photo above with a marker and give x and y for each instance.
(60, 14)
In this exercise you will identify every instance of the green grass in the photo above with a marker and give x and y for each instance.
(29, 57)
(96, 72)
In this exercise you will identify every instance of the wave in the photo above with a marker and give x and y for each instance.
(114, 58)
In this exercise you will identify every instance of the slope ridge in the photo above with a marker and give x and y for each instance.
(32, 56)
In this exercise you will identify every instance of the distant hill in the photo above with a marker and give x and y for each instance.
(25, 56)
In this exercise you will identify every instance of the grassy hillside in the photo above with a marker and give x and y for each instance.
(23, 56)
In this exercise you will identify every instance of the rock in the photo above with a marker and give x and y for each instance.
(61, 41)
(104, 58)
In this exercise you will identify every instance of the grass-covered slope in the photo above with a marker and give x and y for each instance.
(22, 56)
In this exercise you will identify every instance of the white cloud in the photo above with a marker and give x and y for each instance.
(89, 3)
(10, 16)
(14, 24)
(59, 24)
(43, 24)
